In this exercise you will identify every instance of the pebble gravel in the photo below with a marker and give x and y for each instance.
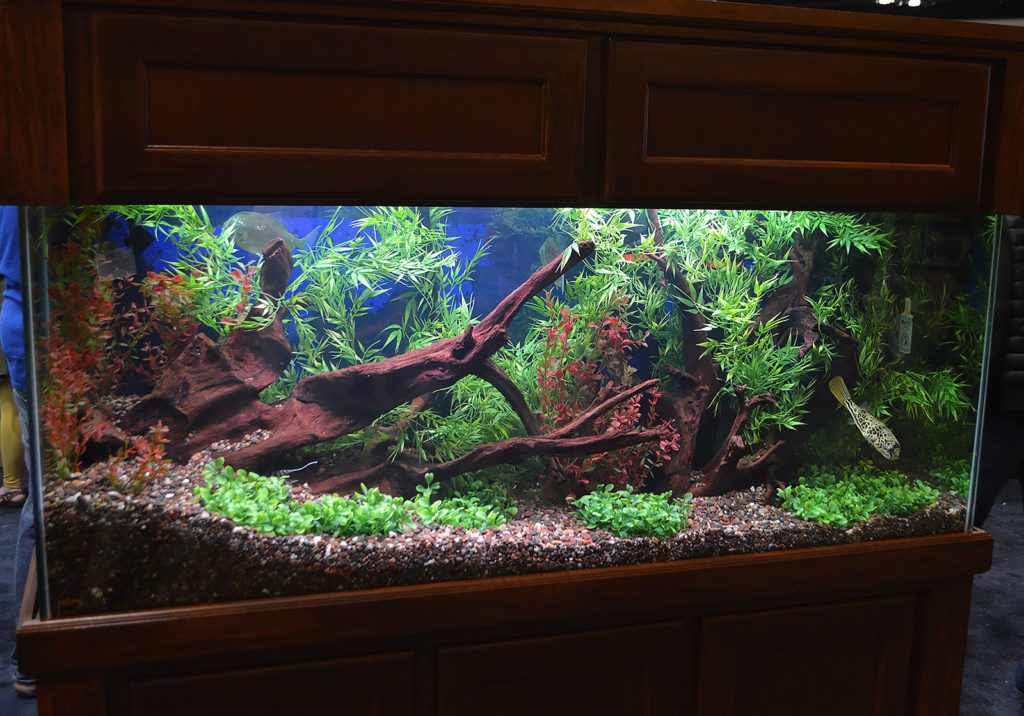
(159, 547)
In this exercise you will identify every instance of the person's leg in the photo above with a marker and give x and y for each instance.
(11, 447)
(26, 543)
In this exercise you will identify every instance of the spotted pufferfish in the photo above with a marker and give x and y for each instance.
(874, 430)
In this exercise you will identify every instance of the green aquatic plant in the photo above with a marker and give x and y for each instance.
(472, 506)
(398, 264)
(953, 476)
(927, 394)
(738, 262)
(633, 514)
(398, 257)
(840, 496)
(835, 442)
(268, 505)
(722, 296)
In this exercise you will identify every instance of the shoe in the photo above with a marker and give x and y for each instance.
(1020, 675)
(12, 497)
(25, 686)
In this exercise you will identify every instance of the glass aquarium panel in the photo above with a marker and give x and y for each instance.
(244, 402)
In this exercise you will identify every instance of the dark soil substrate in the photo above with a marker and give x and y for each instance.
(110, 551)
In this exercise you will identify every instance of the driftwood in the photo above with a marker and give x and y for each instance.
(211, 393)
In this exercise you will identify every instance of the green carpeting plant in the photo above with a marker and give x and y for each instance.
(474, 506)
(633, 514)
(267, 504)
(842, 496)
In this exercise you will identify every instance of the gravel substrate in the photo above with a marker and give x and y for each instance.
(110, 551)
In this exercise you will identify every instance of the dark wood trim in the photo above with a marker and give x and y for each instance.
(6, 137)
(1008, 174)
(698, 13)
(943, 614)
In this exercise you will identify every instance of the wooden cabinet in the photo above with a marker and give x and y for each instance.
(582, 102)
(380, 685)
(803, 127)
(873, 628)
(178, 106)
(637, 671)
(841, 659)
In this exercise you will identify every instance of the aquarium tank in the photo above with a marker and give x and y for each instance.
(242, 402)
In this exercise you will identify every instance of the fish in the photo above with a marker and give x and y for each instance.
(551, 249)
(250, 231)
(874, 430)
(285, 473)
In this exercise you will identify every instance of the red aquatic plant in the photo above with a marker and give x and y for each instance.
(77, 364)
(569, 387)
(170, 315)
(142, 461)
(67, 395)
(96, 338)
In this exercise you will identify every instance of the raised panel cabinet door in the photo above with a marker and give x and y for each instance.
(847, 659)
(167, 106)
(382, 685)
(693, 124)
(635, 671)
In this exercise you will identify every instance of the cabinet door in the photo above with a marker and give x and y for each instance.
(691, 124)
(844, 659)
(183, 106)
(638, 671)
(381, 685)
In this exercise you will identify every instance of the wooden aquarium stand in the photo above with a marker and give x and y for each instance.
(872, 628)
(650, 103)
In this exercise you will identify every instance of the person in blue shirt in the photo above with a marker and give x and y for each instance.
(12, 340)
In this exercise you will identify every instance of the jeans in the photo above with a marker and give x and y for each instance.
(26, 524)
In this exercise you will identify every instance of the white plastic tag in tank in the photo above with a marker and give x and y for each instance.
(906, 329)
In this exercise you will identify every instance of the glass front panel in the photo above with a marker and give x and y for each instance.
(244, 402)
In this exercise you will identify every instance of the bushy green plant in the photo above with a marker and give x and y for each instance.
(840, 496)
(736, 261)
(267, 504)
(399, 258)
(948, 328)
(953, 476)
(473, 506)
(631, 514)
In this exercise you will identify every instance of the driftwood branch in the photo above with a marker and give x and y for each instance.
(400, 478)
(208, 377)
(493, 374)
(721, 469)
(586, 419)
